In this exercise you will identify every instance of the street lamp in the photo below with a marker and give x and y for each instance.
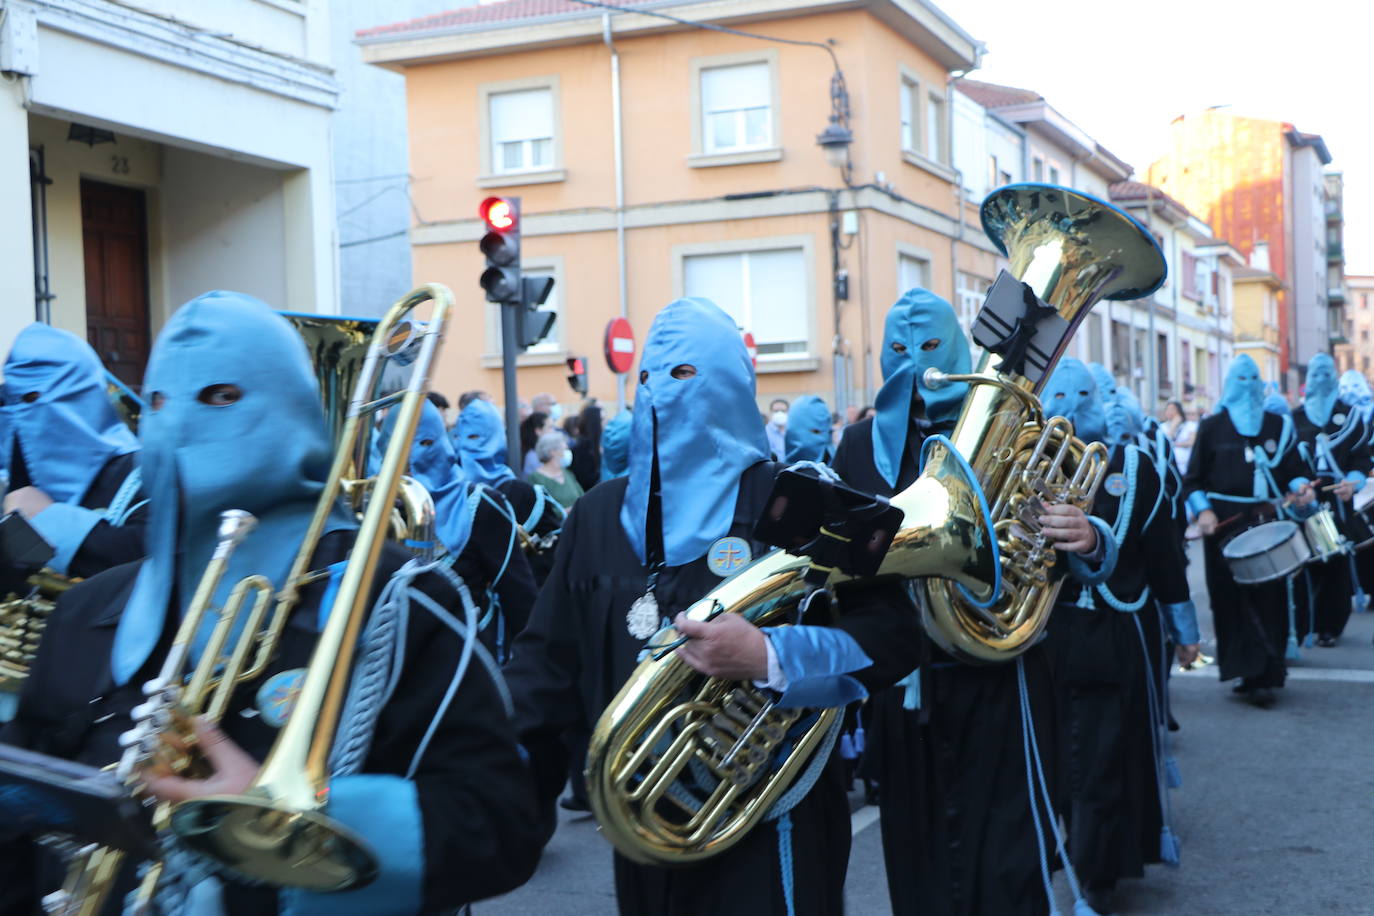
(835, 140)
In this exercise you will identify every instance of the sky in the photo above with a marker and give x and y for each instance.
(1122, 70)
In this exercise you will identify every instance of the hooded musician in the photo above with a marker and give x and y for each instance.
(1244, 462)
(475, 530)
(1333, 441)
(961, 833)
(72, 463)
(635, 552)
(426, 769)
(1107, 644)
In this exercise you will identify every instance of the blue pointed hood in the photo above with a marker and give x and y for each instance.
(1320, 396)
(435, 465)
(1106, 382)
(808, 431)
(268, 453)
(68, 430)
(615, 446)
(1124, 415)
(1071, 392)
(1354, 390)
(1242, 396)
(1277, 404)
(705, 430)
(918, 319)
(480, 436)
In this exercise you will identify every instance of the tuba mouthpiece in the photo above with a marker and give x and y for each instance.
(234, 526)
(934, 379)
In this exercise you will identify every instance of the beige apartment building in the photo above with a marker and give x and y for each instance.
(1257, 325)
(657, 159)
(1358, 354)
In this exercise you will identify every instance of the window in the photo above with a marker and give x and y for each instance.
(1054, 175)
(912, 272)
(969, 297)
(1185, 363)
(519, 130)
(910, 102)
(762, 290)
(935, 128)
(1095, 338)
(1003, 178)
(1162, 359)
(1192, 288)
(992, 172)
(1038, 169)
(736, 108)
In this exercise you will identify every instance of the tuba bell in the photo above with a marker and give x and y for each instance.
(681, 766)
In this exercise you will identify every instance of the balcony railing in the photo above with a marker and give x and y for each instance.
(1335, 251)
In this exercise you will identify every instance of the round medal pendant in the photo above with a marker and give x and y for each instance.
(1271, 446)
(277, 696)
(1338, 419)
(728, 556)
(1115, 484)
(642, 619)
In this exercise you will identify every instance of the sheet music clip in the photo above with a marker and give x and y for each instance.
(1021, 328)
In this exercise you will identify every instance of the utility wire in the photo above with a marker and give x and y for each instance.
(375, 238)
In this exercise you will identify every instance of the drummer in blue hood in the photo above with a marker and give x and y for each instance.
(638, 550)
(428, 774)
(953, 798)
(1333, 440)
(1244, 463)
(72, 463)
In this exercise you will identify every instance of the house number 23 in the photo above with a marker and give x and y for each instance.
(119, 165)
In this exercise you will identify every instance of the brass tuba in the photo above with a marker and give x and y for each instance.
(680, 766)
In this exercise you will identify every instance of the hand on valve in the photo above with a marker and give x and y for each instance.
(233, 770)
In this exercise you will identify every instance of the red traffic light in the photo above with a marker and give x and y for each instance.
(498, 213)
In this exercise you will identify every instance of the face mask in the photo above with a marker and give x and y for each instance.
(566, 460)
(779, 418)
(556, 413)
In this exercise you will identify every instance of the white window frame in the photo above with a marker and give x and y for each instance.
(548, 352)
(968, 300)
(700, 156)
(491, 176)
(767, 362)
(914, 253)
(918, 154)
(909, 111)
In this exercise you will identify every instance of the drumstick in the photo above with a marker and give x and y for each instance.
(1220, 525)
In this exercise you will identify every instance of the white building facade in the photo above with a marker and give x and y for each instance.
(154, 150)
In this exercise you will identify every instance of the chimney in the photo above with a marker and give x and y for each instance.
(1259, 256)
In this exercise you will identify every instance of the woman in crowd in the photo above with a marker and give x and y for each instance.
(553, 474)
(1181, 432)
(531, 428)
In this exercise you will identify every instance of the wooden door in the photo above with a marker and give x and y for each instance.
(114, 230)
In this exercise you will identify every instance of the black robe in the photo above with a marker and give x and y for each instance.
(475, 794)
(1328, 587)
(105, 545)
(577, 653)
(958, 834)
(1107, 664)
(523, 500)
(1251, 621)
(497, 572)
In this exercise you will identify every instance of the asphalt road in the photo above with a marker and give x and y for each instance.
(1275, 814)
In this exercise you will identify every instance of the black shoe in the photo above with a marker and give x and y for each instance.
(573, 803)
(1326, 641)
(1263, 697)
(1243, 688)
(1101, 899)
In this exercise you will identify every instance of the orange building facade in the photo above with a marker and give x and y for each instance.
(726, 192)
(1259, 183)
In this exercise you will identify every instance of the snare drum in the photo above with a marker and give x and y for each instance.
(1266, 552)
(1322, 535)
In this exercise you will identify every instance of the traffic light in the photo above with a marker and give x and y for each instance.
(577, 374)
(534, 325)
(501, 247)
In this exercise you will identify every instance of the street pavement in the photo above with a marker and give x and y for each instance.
(1275, 814)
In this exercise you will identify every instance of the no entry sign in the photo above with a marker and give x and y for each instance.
(620, 346)
(752, 347)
